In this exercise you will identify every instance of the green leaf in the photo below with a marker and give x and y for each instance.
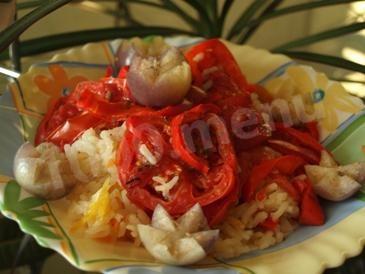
(222, 18)
(171, 6)
(33, 214)
(251, 30)
(29, 4)
(204, 17)
(298, 8)
(211, 7)
(324, 59)
(12, 32)
(124, 13)
(245, 17)
(347, 80)
(332, 33)
(27, 219)
(38, 230)
(29, 203)
(64, 40)
(11, 196)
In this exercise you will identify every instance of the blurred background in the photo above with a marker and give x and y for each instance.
(84, 15)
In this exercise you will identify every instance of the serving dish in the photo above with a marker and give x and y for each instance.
(309, 249)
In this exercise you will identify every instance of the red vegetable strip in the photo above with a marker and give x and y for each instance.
(216, 211)
(303, 138)
(214, 53)
(74, 127)
(311, 212)
(269, 224)
(287, 186)
(291, 149)
(111, 111)
(285, 164)
(171, 111)
(178, 141)
(312, 128)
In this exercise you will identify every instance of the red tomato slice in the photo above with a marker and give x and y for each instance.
(286, 165)
(136, 174)
(117, 111)
(73, 128)
(302, 138)
(291, 149)
(212, 57)
(92, 104)
(56, 115)
(202, 118)
(311, 212)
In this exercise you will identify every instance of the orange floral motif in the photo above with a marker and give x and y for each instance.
(58, 83)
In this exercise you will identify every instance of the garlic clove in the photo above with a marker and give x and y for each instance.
(161, 219)
(193, 220)
(316, 173)
(43, 171)
(330, 185)
(337, 188)
(188, 251)
(327, 160)
(159, 80)
(173, 242)
(166, 247)
(355, 171)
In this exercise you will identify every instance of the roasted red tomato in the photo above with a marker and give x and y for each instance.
(55, 117)
(211, 60)
(292, 141)
(202, 151)
(147, 164)
(103, 104)
(311, 212)
(284, 165)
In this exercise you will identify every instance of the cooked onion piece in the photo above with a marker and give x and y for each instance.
(180, 242)
(159, 75)
(43, 171)
(333, 182)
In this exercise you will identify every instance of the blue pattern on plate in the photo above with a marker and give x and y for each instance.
(167, 270)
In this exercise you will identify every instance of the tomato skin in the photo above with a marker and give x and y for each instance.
(311, 212)
(213, 53)
(193, 187)
(302, 138)
(101, 104)
(287, 148)
(73, 128)
(117, 111)
(56, 115)
(178, 141)
(286, 165)
(269, 224)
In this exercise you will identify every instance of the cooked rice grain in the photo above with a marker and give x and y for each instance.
(241, 232)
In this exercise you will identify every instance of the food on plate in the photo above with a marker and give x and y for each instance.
(175, 154)
(43, 170)
(179, 242)
(333, 182)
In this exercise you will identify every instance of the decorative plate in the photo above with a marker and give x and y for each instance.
(307, 250)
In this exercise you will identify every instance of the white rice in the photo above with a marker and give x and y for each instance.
(240, 232)
(101, 210)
